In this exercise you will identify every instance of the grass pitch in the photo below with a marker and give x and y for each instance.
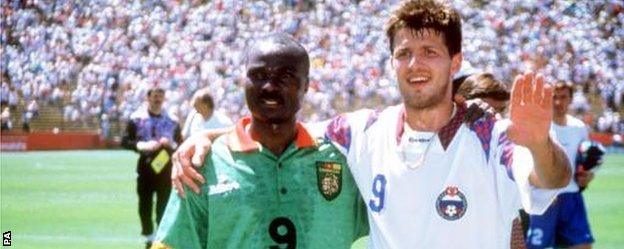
(87, 199)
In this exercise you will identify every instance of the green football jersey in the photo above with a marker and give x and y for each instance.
(305, 198)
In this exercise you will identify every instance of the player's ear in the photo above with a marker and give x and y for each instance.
(458, 98)
(306, 85)
(456, 62)
(392, 62)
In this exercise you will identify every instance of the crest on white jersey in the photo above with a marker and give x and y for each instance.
(451, 203)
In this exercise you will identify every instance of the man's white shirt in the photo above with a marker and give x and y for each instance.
(570, 137)
(464, 196)
(195, 122)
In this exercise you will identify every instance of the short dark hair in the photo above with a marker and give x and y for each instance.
(289, 44)
(155, 89)
(564, 85)
(418, 15)
(457, 82)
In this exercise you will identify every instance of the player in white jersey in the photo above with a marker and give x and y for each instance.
(565, 222)
(428, 180)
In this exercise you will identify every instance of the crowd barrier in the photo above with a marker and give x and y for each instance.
(19, 141)
(605, 139)
(51, 141)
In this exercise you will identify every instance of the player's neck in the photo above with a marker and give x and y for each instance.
(429, 119)
(561, 120)
(154, 110)
(274, 136)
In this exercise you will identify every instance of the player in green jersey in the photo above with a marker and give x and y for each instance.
(269, 183)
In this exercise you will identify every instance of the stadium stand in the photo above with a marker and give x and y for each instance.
(83, 60)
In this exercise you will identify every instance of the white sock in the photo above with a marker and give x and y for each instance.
(150, 237)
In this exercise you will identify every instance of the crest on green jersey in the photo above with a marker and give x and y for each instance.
(329, 179)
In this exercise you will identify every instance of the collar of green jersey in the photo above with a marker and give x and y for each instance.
(239, 140)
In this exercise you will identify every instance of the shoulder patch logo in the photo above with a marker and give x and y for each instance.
(329, 179)
(224, 185)
(451, 204)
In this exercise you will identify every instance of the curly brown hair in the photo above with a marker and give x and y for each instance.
(483, 85)
(418, 15)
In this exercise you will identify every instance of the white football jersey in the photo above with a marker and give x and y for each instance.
(458, 188)
(570, 137)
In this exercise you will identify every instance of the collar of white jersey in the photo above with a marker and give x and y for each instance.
(445, 134)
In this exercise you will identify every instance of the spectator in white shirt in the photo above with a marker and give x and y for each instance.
(203, 116)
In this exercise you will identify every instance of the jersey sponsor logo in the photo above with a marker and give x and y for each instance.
(418, 140)
(329, 179)
(224, 184)
(451, 204)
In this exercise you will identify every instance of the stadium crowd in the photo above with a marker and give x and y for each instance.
(103, 55)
